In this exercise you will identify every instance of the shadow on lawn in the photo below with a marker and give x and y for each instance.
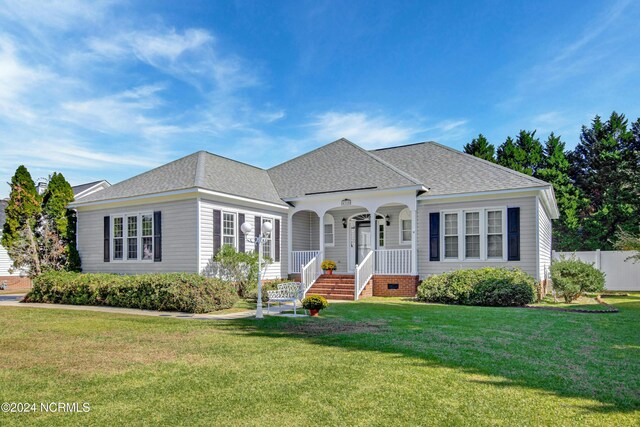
(567, 354)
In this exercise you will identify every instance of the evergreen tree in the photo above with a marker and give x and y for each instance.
(511, 156)
(481, 148)
(55, 201)
(554, 170)
(23, 208)
(531, 150)
(604, 165)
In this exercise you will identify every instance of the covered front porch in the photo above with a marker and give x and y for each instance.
(363, 235)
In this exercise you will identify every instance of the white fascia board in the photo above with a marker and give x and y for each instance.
(187, 193)
(515, 192)
(92, 189)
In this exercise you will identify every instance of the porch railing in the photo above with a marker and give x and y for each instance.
(395, 262)
(301, 258)
(364, 273)
(311, 271)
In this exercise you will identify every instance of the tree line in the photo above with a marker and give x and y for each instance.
(39, 233)
(597, 184)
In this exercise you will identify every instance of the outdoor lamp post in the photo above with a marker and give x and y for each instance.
(247, 228)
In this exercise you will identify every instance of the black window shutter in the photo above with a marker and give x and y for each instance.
(217, 236)
(276, 230)
(513, 234)
(157, 236)
(257, 225)
(107, 238)
(434, 236)
(241, 237)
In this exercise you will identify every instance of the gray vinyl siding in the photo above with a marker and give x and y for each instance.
(274, 270)
(528, 241)
(544, 241)
(179, 240)
(301, 231)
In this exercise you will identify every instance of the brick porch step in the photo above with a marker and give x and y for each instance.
(334, 286)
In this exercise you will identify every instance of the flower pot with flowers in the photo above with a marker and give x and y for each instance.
(314, 303)
(328, 266)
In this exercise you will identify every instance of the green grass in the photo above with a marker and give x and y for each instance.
(374, 362)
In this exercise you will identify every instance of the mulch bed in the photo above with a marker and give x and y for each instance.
(607, 308)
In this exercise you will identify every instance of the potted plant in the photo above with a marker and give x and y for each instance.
(314, 303)
(328, 265)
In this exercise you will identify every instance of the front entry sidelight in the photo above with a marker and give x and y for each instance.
(363, 240)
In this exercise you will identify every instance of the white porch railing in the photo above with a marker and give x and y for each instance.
(311, 271)
(395, 262)
(364, 272)
(301, 258)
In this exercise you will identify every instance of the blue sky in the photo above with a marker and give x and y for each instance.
(108, 89)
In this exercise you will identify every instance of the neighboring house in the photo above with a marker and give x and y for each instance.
(83, 190)
(387, 217)
(79, 191)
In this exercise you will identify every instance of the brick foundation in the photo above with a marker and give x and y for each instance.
(407, 286)
(368, 290)
(16, 282)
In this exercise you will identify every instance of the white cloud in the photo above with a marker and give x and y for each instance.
(360, 128)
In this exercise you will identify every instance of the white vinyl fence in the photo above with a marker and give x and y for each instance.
(620, 275)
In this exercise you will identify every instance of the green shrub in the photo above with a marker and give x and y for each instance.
(315, 302)
(572, 277)
(185, 292)
(486, 286)
(239, 268)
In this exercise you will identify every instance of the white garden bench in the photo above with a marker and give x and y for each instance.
(287, 292)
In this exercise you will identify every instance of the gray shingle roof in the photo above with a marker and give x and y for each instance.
(447, 171)
(198, 170)
(338, 166)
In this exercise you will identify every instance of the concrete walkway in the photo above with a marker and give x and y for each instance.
(14, 301)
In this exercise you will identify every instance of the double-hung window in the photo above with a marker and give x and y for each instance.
(472, 235)
(229, 229)
(329, 230)
(451, 235)
(405, 226)
(118, 236)
(147, 237)
(132, 237)
(494, 234)
(267, 251)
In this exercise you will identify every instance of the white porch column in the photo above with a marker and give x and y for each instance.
(289, 240)
(374, 230)
(321, 231)
(414, 243)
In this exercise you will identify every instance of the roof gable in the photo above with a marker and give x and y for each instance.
(338, 166)
(198, 170)
(447, 171)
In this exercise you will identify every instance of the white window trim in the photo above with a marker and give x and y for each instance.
(235, 228)
(331, 221)
(483, 235)
(125, 237)
(400, 219)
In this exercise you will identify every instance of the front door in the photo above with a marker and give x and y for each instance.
(363, 240)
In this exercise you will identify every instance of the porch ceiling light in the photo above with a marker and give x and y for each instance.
(344, 222)
(388, 220)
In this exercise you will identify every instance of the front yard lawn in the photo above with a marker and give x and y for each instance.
(374, 362)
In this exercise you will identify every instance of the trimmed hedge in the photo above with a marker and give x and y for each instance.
(184, 292)
(572, 277)
(487, 286)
